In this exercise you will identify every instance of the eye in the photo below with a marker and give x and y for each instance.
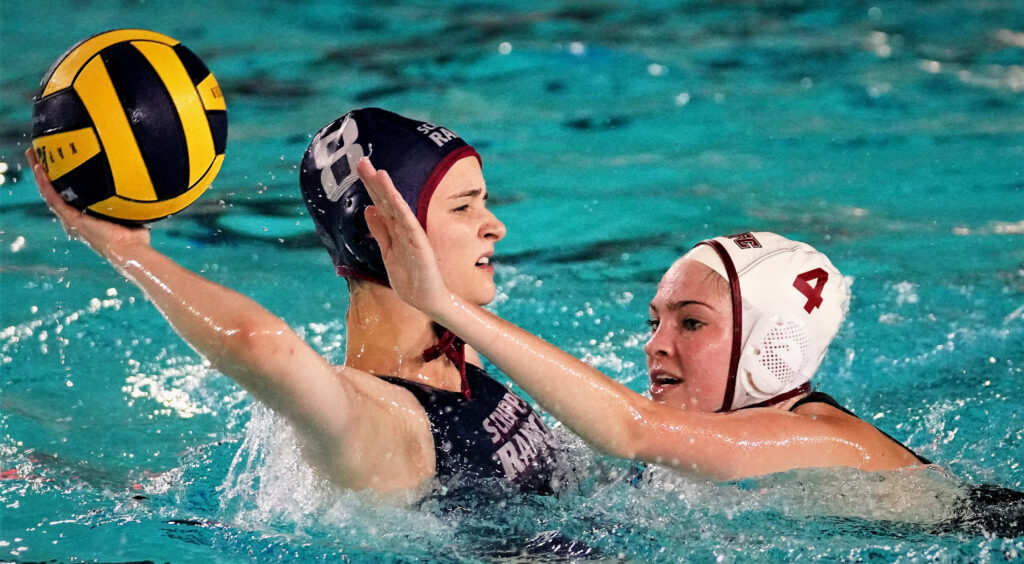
(461, 208)
(691, 324)
(653, 324)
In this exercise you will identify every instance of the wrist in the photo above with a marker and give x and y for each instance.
(120, 252)
(447, 309)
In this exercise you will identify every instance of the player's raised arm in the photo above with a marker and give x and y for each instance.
(338, 420)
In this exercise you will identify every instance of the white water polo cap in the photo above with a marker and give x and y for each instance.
(788, 302)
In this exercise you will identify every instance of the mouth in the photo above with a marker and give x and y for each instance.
(484, 262)
(661, 380)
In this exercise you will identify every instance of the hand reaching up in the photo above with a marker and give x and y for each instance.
(412, 267)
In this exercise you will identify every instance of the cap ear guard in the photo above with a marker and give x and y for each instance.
(778, 356)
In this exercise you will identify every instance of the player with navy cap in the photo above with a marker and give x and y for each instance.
(411, 402)
(739, 327)
(475, 427)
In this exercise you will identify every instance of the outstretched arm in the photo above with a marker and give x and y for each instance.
(606, 414)
(237, 336)
(242, 340)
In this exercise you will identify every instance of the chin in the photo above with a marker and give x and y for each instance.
(484, 293)
(477, 291)
(486, 299)
(477, 296)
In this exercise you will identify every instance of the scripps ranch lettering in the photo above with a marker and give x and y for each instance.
(525, 439)
(505, 416)
(439, 135)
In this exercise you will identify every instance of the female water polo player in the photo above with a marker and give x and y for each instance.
(411, 402)
(740, 324)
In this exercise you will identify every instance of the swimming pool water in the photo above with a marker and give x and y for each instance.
(614, 136)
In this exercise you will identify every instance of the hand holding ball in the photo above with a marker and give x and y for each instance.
(130, 126)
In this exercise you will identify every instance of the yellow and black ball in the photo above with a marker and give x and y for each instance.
(130, 126)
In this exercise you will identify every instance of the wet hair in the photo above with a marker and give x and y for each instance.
(719, 284)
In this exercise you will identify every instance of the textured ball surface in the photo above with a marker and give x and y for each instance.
(130, 125)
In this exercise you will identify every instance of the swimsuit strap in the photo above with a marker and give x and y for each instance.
(801, 389)
(820, 397)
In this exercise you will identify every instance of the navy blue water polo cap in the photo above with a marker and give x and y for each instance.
(416, 154)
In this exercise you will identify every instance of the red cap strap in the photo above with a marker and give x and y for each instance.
(451, 346)
(737, 320)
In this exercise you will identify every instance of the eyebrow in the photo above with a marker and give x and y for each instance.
(674, 306)
(467, 194)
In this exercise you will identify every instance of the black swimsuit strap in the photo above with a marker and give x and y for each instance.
(822, 397)
(819, 397)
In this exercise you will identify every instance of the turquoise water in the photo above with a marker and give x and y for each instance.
(889, 134)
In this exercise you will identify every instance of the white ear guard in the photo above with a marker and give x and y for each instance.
(779, 355)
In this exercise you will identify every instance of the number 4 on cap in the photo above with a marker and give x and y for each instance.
(813, 293)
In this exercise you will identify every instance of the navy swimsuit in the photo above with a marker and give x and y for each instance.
(496, 434)
(495, 437)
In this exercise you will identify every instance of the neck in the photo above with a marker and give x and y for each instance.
(386, 337)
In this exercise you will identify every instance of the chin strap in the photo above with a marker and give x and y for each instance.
(737, 321)
(451, 346)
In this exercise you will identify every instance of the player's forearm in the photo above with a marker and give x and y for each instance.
(600, 410)
(219, 323)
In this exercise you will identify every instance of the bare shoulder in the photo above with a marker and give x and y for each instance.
(829, 417)
(832, 420)
(875, 449)
(395, 399)
(387, 423)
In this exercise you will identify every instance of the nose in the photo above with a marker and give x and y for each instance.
(492, 228)
(659, 344)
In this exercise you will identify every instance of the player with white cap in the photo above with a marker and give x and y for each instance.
(739, 326)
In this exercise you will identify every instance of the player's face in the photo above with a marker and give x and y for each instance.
(462, 231)
(691, 337)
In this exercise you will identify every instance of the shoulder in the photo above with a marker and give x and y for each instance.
(382, 440)
(395, 400)
(874, 449)
(822, 411)
(830, 417)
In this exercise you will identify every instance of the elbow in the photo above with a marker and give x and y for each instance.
(627, 433)
(640, 433)
(247, 341)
